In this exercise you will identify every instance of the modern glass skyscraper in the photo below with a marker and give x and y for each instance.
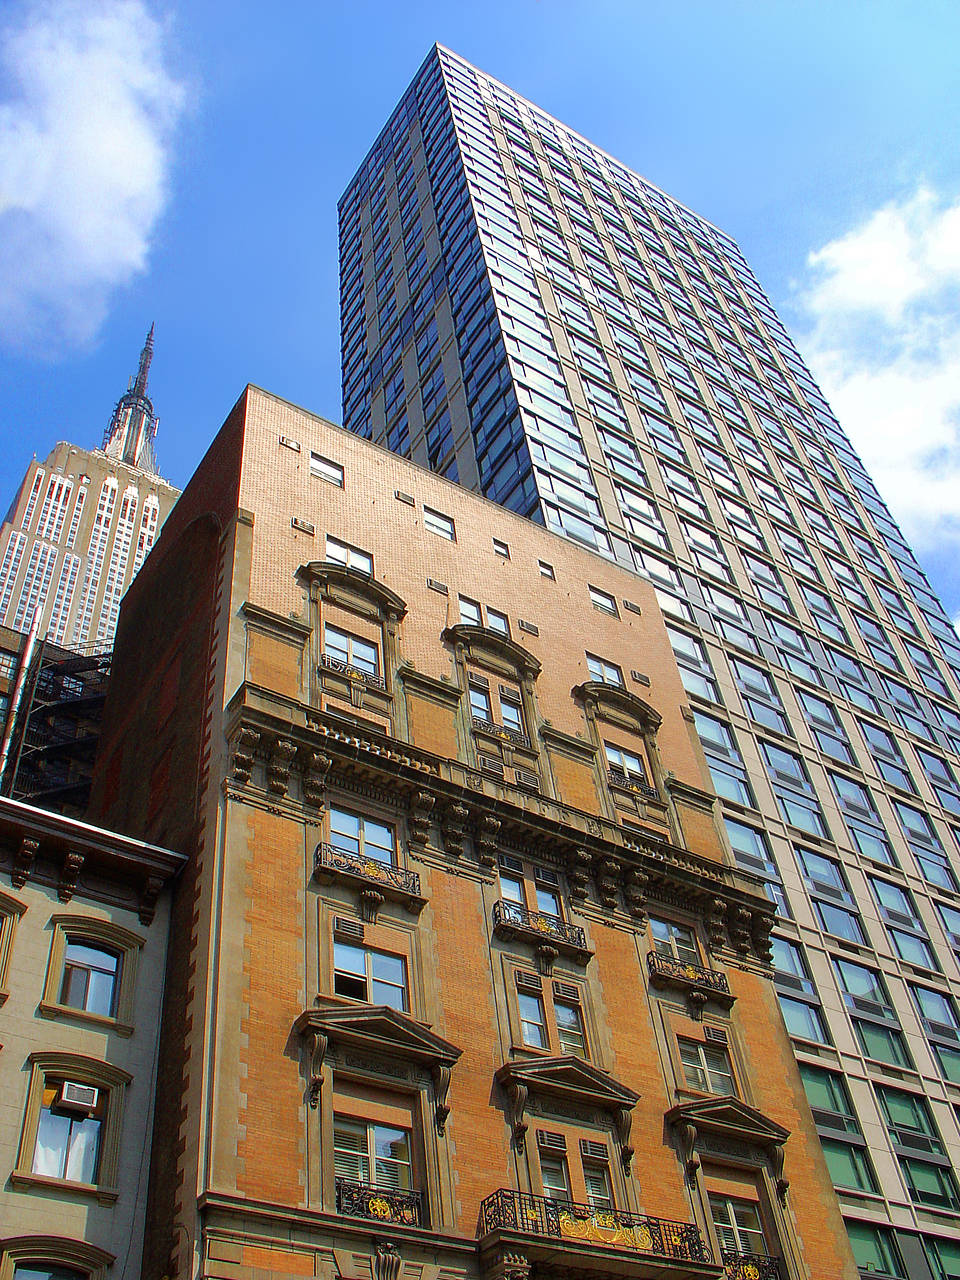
(522, 313)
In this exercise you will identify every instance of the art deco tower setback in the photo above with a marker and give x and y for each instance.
(81, 525)
(523, 314)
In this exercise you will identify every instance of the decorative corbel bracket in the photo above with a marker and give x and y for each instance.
(687, 1138)
(486, 841)
(69, 875)
(623, 1122)
(517, 1095)
(246, 743)
(370, 903)
(278, 767)
(147, 906)
(386, 1261)
(578, 874)
(422, 804)
(317, 1042)
(24, 859)
(316, 766)
(453, 825)
(440, 1074)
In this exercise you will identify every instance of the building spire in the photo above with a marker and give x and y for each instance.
(146, 356)
(133, 426)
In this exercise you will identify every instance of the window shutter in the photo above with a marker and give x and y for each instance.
(567, 991)
(548, 1141)
(527, 981)
(591, 1149)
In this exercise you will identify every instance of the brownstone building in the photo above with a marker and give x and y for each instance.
(84, 922)
(463, 979)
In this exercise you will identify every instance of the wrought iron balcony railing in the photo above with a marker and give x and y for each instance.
(329, 858)
(621, 779)
(581, 1223)
(380, 1204)
(670, 969)
(512, 920)
(369, 678)
(501, 731)
(750, 1266)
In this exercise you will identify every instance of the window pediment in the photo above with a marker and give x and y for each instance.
(388, 1033)
(731, 1131)
(617, 706)
(573, 1080)
(492, 649)
(380, 1027)
(353, 589)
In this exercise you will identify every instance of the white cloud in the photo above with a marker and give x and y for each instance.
(87, 117)
(883, 340)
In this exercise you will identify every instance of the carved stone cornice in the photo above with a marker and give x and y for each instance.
(573, 1080)
(609, 868)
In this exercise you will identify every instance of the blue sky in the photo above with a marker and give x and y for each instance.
(182, 162)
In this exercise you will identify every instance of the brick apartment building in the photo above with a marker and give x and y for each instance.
(463, 979)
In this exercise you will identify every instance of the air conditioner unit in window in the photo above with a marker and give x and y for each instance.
(715, 1034)
(343, 927)
(546, 875)
(590, 1149)
(77, 1097)
(567, 991)
(509, 863)
(548, 1141)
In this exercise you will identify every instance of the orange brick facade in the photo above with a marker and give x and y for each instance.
(552, 829)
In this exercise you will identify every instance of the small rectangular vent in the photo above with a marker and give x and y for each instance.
(567, 991)
(548, 1141)
(530, 627)
(404, 497)
(479, 682)
(527, 981)
(716, 1035)
(290, 444)
(639, 678)
(491, 765)
(344, 927)
(547, 875)
(591, 1149)
(77, 1097)
(524, 778)
(509, 863)
(631, 607)
(440, 587)
(303, 525)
